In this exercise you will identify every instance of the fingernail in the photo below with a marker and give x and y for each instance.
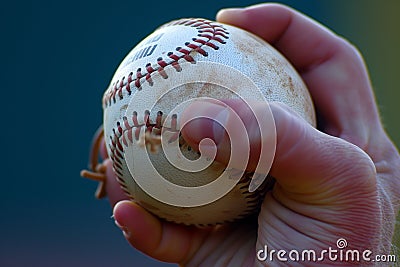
(124, 229)
(227, 12)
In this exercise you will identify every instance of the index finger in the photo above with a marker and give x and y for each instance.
(331, 67)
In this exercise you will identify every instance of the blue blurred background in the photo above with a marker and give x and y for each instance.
(57, 58)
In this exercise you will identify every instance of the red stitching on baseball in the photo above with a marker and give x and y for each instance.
(138, 77)
(132, 130)
(176, 65)
(127, 131)
(128, 84)
(183, 50)
(211, 34)
(124, 132)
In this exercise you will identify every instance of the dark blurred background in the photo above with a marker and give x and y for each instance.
(57, 58)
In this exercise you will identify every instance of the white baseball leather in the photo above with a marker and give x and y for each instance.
(160, 59)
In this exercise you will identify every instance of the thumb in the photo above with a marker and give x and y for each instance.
(233, 126)
(306, 160)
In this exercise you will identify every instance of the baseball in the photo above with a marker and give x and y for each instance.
(180, 62)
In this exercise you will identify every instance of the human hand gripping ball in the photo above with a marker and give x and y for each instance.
(183, 62)
(339, 180)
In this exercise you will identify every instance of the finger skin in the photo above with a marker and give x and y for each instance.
(335, 101)
(332, 68)
(316, 175)
(198, 129)
(304, 156)
(304, 166)
(336, 76)
(161, 240)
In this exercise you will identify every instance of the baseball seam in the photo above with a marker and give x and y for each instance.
(208, 34)
(126, 133)
(128, 130)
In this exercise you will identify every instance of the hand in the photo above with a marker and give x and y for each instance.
(341, 180)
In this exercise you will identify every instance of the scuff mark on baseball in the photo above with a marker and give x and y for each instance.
(180, 62)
